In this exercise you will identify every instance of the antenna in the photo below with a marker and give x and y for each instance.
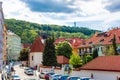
(74, 24)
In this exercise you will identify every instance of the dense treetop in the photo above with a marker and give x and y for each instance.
(28, 31)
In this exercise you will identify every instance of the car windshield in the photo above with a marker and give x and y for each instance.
(57, 75)
(74, 78)
(27, 68)
(50, 73)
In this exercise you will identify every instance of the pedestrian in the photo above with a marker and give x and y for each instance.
(68, 71)
(35, 69)
(92, 75)
(2, 76)
(12, 69)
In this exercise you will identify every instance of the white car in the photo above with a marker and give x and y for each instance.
(15, 77)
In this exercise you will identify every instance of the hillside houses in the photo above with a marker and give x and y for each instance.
(102, 41)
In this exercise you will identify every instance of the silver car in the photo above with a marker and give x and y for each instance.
(29, 72)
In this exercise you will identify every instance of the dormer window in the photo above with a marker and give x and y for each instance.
(83, 44)
(90, 42)
(111, 40)
(101, 40)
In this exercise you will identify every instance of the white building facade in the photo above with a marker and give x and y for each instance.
(35, 59)
(102, 68)
(1, 35)
(100, 75)
(36, 52)
(13, 45)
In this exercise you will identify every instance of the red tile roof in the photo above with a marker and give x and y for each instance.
(103, 38)
(26, 45)
(62, 60)
(37, 46)
(74, 42)
(103, 63)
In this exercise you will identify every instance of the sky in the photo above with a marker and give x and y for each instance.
(94, 14)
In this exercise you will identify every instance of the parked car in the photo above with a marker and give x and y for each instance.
(45, 75)
(73, 78)
(63, 77)
(55, 77)
(42, 75)
(29, 72)
(26, 68)
(15, 77)
(32, 79)
(84, 78)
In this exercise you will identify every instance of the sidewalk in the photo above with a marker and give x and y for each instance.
(36, 73)
(0, 76)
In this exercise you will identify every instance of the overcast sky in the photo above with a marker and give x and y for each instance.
(95, 14)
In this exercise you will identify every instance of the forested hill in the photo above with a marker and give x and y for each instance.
(28, 31)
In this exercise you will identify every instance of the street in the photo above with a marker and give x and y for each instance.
(20, 71)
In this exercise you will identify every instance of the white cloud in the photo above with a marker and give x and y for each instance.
(87, 11)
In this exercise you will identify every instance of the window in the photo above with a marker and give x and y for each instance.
(111, 40)
(32, 58)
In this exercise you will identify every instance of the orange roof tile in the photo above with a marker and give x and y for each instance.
(37, 46)
(103, 38)
(62, 60)
(103, 63)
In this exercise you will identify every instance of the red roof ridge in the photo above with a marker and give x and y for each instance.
(62, 59)
(103, 63)
(37, 45)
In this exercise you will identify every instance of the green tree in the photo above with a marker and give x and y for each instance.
(95, 53)
(88, 58)
(76, 61)
(49, 55)
(28, 31)
(64, 49)
(24, 54)
(114, 45)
